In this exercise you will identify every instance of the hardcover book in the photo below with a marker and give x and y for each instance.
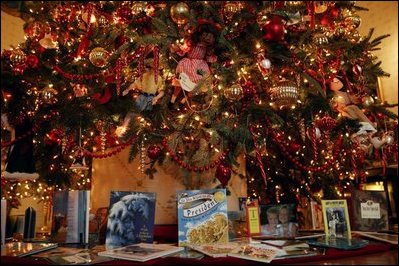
(255, 252)
(202, 216)
(22, 249)
(369, 211)
(384, 237)
(70, 220)
(216, 250)
(131, 218)
(141, 251)
(336, 218)
(253, 218)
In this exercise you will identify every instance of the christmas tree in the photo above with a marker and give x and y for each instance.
(289, 85)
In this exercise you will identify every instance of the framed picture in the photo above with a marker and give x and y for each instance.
(279, 221)
(242, 202)
(336, 218)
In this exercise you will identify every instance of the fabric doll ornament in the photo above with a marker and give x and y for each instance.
(194, 67)
(150, 94)
(20, 163)
(345, 105)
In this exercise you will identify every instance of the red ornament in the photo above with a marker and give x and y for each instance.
(223, 174)
(153, 152)
(294, 147)
(274, 29)
(124, 15)
(325, 21)
(381, 116)
(334, 12)
(32, 61)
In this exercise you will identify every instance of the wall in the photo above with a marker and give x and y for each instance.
(383, 17)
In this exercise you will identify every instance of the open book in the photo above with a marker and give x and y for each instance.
(389, 238)
(255, 252)
(22, 249)
(216, 250)
(141, 252)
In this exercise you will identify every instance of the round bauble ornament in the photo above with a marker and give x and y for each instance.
(234, 92)
(99, 57)
(274, 29)
(17, 57)
(336, 84)
(265, 63)
(354, 21)
(32, 61)
(284, 94)
(294, 147)
(320, 39)
(389, 139)
(320, 7)
(153, 152)
(230, 9)
(223, 174)
(102, 21)
(180, 13)
(138, 7)
(327, 123)
(49, 94)
(124, 15)
(367, 100)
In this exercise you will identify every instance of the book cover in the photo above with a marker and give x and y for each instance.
(279, 221)
(22, 249)
(344, 243)
(336, 218)
(253, 218)
(317, 215)
(131, 218)
(384, 237)
(73, 256)
(141, 251)
(216, 250)
(255, 252)
(202, 216)
(369, 211)
(70, 218)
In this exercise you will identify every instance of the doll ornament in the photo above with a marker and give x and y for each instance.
(193, 71)
(150, 94)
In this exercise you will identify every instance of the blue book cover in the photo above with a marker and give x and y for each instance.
(131, 218)
(202, 216)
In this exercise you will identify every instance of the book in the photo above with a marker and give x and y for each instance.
(141, 251)
(216, 250)
(287, 244)
(299, 236)
(338, 242)
(73, 256)
(336, 218)
(255, 252)
(131, 218)
(279, 221)
(3, 221)
(253, 218)
(202, 216)
(22, 249)
(70, 218)
(317, 215)
(237, 224)
(384, 237)
(369, 211)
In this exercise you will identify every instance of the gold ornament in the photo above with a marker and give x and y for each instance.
(48, 43)
(367, 100)
(49, 94)
(138, 7)
(103, 21)
(180, 13)
(285, 94)
(353, 21)
(99, 57)
(320, 7)
(320, 39)
(230, 8)
(233, 93)
(17, 57)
